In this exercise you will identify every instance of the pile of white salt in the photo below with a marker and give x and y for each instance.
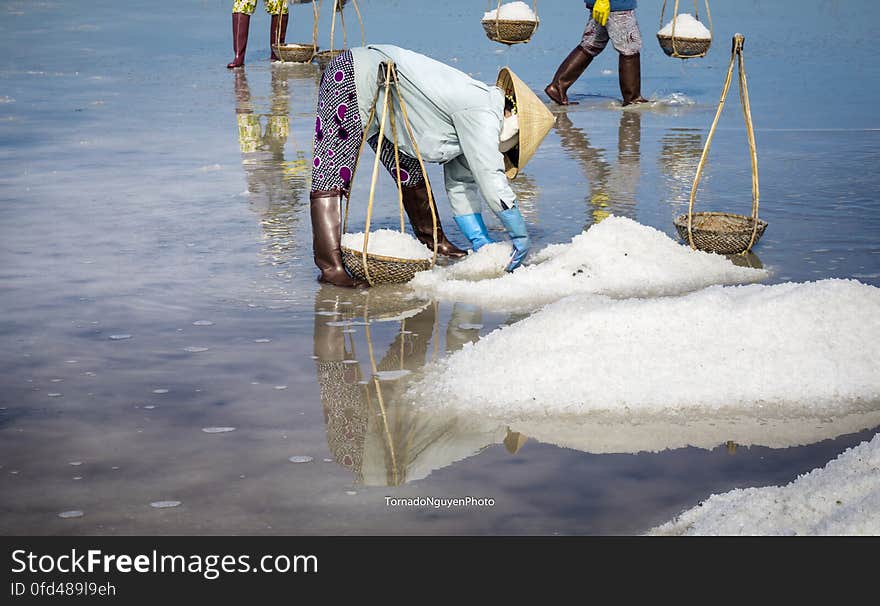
(388, 243)
(512, 11)
(686, 26)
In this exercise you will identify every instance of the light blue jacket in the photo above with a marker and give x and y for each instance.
(456, 121)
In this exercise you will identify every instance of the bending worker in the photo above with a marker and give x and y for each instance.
(481, 134)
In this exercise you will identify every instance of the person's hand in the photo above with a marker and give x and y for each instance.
(601, 10)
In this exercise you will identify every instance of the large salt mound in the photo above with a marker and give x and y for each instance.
(843, 498)
(812, 346)
(512, 11)
(617, 257)
(686, 26)
(388, 243)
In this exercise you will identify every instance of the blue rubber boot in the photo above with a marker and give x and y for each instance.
(473, 227)
(519, 236)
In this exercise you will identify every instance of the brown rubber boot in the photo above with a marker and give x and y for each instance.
(277, 34)
(415, 203)
(326, 239)
(566, 74)
(240, 25)
(629, 69)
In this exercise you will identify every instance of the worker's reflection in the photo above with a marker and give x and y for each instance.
(613, 185)
(275, 185)
(370, 430)
(680, 151)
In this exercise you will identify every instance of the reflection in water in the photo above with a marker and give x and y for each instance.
(680, 150)
(275, 185)
(370, 431)
(612, 185)
(386, 439)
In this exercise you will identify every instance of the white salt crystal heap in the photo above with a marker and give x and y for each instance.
(617, 257)
(686, 26)
(388, 243)
(803, 347)
(843, 498)
(512, 11)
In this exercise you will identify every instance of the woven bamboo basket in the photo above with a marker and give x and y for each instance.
(722, 233)
(508, 31)
(295, 53)
(684, 47)
(324, 57)
(383, 269)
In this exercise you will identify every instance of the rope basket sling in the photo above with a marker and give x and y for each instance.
(371, 267)
(718, 232)
(298, 53)
(680, 47)
(324, 57)
(510, 31)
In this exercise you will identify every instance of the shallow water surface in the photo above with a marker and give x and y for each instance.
(164, 339)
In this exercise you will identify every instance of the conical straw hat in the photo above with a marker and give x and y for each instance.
(535, 120)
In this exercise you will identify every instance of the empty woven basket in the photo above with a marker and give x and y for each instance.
(323, 58)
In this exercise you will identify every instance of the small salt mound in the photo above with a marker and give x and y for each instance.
(512, 11)
(388, 243)
(617, 257)
(842, 498)
(812, 346)
(686, 26)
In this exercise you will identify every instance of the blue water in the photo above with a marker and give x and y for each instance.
(130, 208)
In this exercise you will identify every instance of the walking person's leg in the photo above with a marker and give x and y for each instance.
(278, 26)
(623, 29)
(593, 41)
(241, 22)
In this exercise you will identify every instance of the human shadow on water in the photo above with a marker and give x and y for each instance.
(276, 185)
(612, 185)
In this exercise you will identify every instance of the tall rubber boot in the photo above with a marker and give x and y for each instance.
(240, 25)
(279, 22)
(474, 229)
(415, 203)
(568, 71)
(327, 237)
(629, 69)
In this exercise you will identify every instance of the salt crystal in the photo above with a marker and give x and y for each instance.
(686, 26)
(389, 243)
(512, 11)
(164, 504)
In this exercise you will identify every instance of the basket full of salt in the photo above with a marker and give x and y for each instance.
(392, 257)
(511, 23)
(685, 36)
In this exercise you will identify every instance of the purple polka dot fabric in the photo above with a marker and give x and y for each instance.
(338, 128)
(338, 133)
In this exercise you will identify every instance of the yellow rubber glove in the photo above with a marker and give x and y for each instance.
(601, 10)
